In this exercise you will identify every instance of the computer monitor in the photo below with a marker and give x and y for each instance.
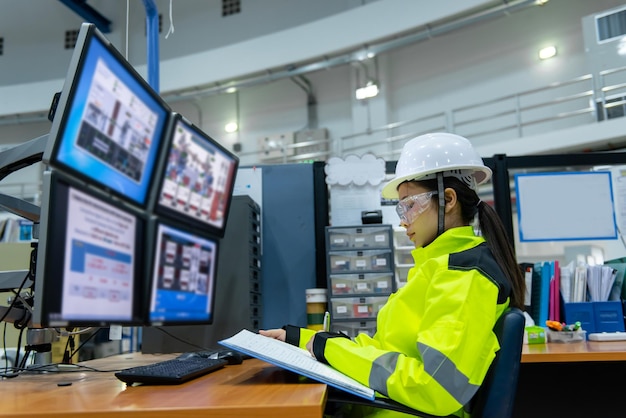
(90, 258)
(109, 124)
(183, 275)
(197, 177)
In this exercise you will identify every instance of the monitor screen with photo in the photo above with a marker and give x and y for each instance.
(90, 258)
(196, 180)
(182, 282)
(109, 124)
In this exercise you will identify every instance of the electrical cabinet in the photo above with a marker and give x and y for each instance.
(360, 271)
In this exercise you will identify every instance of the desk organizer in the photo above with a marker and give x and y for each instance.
(605, 316)
(566, 336)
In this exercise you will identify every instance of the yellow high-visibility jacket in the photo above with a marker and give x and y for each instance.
(434, 341)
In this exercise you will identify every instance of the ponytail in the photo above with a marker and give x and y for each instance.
(497, 240)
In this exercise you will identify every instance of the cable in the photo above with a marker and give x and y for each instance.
(85, 342)
(18, 324)
(127, 20)
(67, 350)
(4, 347)
(171, 29)
(19, 345)
(14, 301)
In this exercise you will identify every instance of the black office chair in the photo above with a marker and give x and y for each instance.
(495, 397)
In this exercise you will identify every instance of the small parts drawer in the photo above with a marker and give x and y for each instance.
(358, 237)
(352, 329)
(358, 261)
(350, 284)
(366, 307)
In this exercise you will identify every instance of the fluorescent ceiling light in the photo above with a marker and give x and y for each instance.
(231, 127)
(621, 46)
(547, 52)
(370, 90)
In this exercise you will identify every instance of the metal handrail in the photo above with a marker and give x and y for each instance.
(515, 109)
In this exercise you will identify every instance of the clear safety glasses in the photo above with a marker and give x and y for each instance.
(411, 207)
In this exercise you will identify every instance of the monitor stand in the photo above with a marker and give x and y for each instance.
(39, 341)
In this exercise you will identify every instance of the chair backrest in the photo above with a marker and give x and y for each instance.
(496, 395)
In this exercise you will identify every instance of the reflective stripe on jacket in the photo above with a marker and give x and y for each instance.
(434, 341)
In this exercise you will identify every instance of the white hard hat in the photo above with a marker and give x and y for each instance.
(424, 156)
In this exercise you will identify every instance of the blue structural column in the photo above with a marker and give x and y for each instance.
(152, 27)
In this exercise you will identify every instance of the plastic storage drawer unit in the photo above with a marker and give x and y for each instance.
(352, 329)
(350, 284)
(359, 261)
(345, 238)
(357, 308)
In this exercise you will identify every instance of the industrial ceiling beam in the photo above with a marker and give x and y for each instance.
(88, 13)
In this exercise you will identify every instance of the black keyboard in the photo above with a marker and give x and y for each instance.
(170, 372)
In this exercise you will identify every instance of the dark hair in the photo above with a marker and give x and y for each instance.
(492, 230)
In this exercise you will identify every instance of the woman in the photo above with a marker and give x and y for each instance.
(434, 341)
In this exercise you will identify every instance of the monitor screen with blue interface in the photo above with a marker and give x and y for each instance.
(183, 276)
(197, 178)
(90, 258)
(109, 123)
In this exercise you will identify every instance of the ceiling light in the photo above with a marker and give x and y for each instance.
(230, 90)
(370, 90)
(231, 127)
(547, 52)
(621, 46)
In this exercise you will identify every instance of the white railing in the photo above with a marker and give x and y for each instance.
(558, 105)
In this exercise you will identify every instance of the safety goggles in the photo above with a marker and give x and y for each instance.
(411, 207)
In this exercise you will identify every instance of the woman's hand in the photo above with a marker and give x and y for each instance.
(277, 334)
(309, 345)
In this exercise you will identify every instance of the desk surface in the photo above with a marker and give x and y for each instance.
(254, 388)
(573, 352)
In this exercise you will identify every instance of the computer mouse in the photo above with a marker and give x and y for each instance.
(231, 356)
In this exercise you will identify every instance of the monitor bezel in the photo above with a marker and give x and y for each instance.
(151, 262)
(169, 213)
(48, 283)
(140, 194)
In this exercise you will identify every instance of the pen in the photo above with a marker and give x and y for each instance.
(326, 322)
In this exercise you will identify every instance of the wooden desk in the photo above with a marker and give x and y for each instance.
(253, 389)
(582, 374)
(574, 352)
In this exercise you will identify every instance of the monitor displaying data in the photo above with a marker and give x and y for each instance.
(90, 258)
(196, 179)
(184, 266)
(109, 124)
